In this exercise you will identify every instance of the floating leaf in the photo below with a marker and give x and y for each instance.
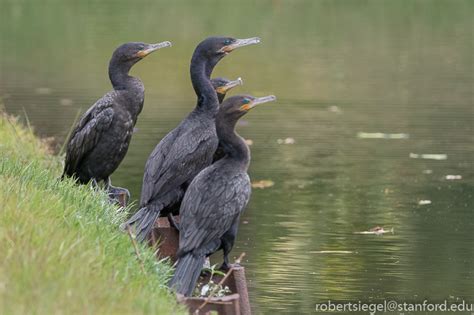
(453, 177)
(381, 135)
(334, 109)
(332, 252)
(429, 156)
(263, 184)
(376, 231)
(299, 183)
(66, 102)
(43, 91)
(286, 141)
(424, 202)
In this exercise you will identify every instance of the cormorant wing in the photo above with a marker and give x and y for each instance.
(178, 157)
(211, 204)
(87, 133)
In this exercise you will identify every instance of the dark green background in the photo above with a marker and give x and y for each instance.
(337, 68)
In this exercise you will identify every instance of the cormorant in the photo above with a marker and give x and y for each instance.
(223, 85)
(211, 207)
(188, 148)
(100, 140)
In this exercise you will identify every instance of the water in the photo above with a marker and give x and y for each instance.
(338, 68)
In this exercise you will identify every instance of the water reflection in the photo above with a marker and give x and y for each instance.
(338, 68)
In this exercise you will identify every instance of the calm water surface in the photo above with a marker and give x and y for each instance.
(338, 68)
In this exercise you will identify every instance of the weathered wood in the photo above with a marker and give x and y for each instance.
(166, 239)
(240, 282)
(226, 305)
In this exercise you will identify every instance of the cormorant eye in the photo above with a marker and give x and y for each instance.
(246, 101)
(227, 42)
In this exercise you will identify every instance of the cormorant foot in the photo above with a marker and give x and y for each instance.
(118, 195)
(94, 183)
(172, 222)
(225, 266)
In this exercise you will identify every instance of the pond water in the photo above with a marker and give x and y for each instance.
(339, 69)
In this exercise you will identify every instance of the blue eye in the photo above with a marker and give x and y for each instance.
(227, 42)
(246, 101)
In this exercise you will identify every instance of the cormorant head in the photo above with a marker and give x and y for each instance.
(131, 53)
(233, 108)
(215, 48)
(223, 85)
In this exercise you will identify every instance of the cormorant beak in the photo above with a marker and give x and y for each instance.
(258, 101)
(230, 85)
(151, 48)
(240, 43)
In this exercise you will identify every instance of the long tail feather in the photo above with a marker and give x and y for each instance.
(187, 274)
(143, 221)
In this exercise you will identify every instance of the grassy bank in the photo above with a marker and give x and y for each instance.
(60, 248)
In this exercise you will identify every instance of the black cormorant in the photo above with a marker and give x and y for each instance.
(211, 207)
(223, 85)
(188, 148)
(100, 140)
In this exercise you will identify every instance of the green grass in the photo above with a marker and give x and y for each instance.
(60, 248)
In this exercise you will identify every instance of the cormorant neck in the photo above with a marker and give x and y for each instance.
(118, 74)
(201, 69)
(131, 87)
(234, 146)
(220, 97)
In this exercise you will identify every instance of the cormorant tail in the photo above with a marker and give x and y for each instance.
(187, 273)
(142, 221)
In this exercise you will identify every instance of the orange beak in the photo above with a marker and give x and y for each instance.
(240, 43)
(258, 101)
(151, 48)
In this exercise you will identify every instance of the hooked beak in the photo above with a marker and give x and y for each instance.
(230, 85)
(258, 101)
(240, 43)
(151, 48)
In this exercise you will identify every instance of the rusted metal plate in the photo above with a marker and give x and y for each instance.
(237, 278)
(226, 305)
(237, 283)
(122, 199)
(166, 239)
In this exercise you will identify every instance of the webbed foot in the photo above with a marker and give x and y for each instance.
(172, 222)
(118, 195)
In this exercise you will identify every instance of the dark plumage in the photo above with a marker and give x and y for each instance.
(222, 86)
(212, 205)
(187, 149)
(100, 140)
